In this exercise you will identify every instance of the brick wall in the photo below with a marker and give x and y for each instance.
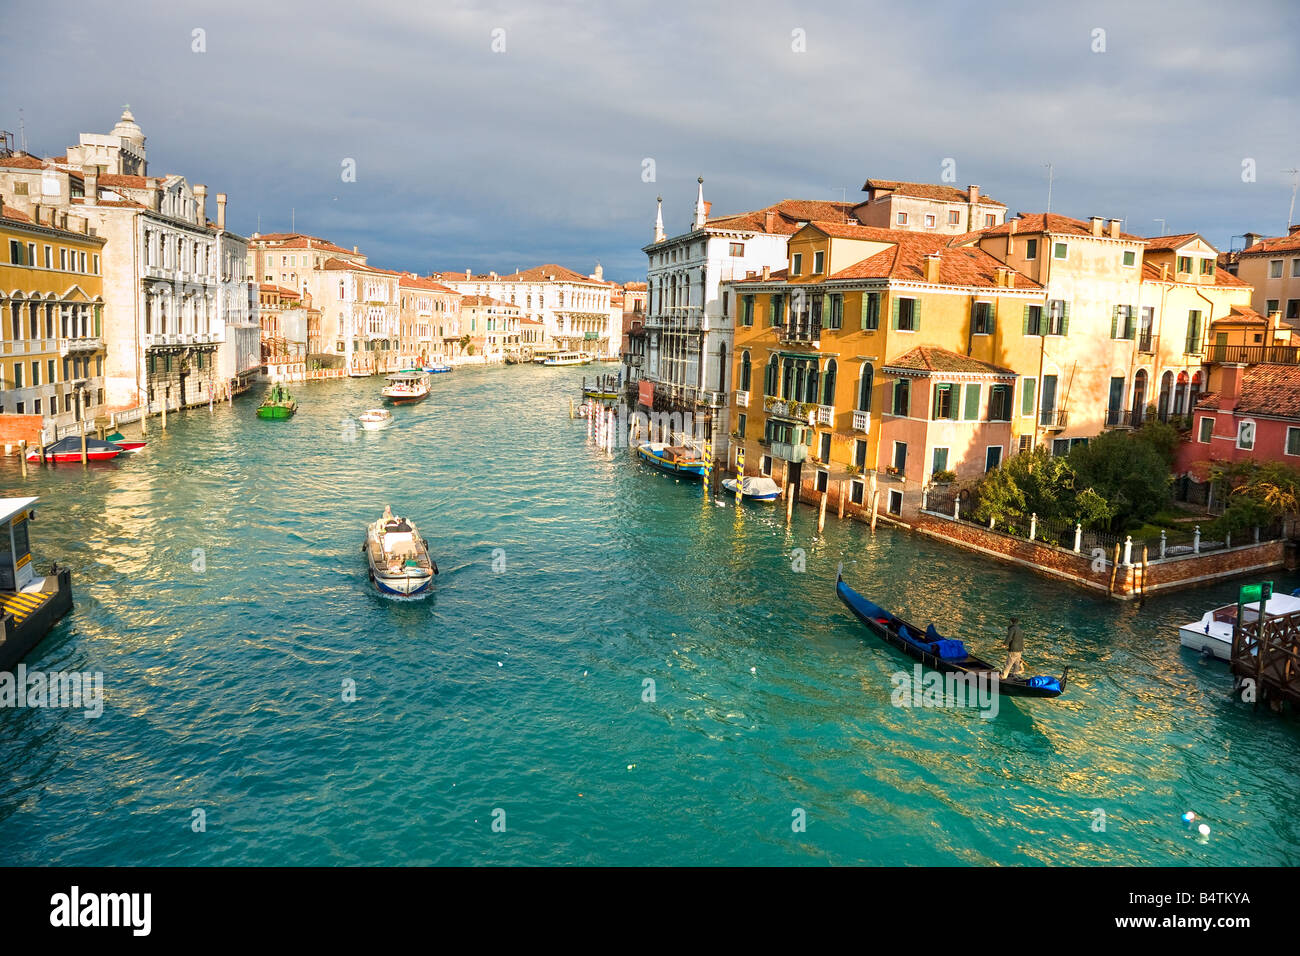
(16, 428)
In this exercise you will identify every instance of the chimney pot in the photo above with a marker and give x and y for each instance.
(767, 272)
(1096, 225)
(932, 262)
(1114, 228)
(201, 200)
(974, 193)
(221, 213)
(769, 220)
(1015, 226)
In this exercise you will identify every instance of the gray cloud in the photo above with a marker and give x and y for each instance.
(467, 157)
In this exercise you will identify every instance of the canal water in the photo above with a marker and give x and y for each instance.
(611, 670)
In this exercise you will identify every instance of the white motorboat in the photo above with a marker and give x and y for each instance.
(756, 487)
(568, 358)
(375, 419)
(406, 388)
(399, 557)
(1212, 634)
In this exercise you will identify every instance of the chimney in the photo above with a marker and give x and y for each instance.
(1251, 238)
(1011, 278)
(1164, 272)
(1096, 224)
(1014, 225)
(91, 176)
(155, 196)
(1230, 380)
(36, 214)
(201, 199)
(221, 213)
(974, 192)
(1114, 228)
(932, 261)
(767, 273)
(1292, 230)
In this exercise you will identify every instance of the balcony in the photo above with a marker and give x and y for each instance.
(1144, 342)
(1254, 354)
(825, 414)
(1124, 418)
(85, 343)
(789, 451)
(801, 331)
(861, 421)
(742, 399)
(1052, 418)
(789, 410)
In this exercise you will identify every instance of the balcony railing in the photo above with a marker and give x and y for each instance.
(789, 451)
(861, 421)
(88, 343)
(825, 414)
(1124, 418)
(1254, 354)
(1144, 341)
(800, 331)
(742, 399)
(1052, 418)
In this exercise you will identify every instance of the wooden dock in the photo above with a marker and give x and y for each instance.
(1266, 660)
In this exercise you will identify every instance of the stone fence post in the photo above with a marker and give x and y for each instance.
(1162, 544)
(1128, 549)
(1033, 526)
(1078, 538)
(1196, 540)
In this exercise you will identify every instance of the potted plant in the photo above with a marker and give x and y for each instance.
(945, 477)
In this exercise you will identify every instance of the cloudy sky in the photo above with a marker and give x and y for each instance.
(470, 156)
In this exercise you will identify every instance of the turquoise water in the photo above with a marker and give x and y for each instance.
(521, 689)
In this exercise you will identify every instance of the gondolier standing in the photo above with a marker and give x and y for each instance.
(1015, 650)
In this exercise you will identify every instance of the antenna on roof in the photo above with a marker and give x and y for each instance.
(1050, 173)
(22, 131)
(1162, 225)
(1295, 181)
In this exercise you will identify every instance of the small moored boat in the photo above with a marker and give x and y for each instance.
(1211, 636)
(674, 459)
(124, 443)
(437, 368)
(567, 358)
(67, 450)
(756, 488)
(398, 556)
(375, 419)
(935, 651)
(406, 388)
(278, 404)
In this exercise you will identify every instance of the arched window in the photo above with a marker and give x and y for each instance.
(773, 377)
(1166, 393)
(864, 387)
(744, 371)
(828, 384)
(1139, 396)
(787, 379)
(1180, 394)
(810, 382)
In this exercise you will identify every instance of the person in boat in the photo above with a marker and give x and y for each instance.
(1015, 650)
(388, 512)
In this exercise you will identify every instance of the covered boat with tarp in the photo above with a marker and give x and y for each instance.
(67, 450)
(124, 443)
(755, 487)
(944, 654)
(399, 557)
(676, 460)
(278, 404)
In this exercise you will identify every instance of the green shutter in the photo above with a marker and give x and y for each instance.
(972, 411)
(934, 409)
(862, 318)
(1027, 397)
(993, 319)
(1026, 328)
(1114, 322)
(1065, 318)
(916, 315)
(894, 319)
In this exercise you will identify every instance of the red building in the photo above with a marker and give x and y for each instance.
(1253, 415)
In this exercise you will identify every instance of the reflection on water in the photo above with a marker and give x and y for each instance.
(221, 591)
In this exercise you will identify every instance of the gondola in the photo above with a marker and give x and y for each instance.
(938, 652)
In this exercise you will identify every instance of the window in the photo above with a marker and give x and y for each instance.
(981, 319)
(902, 397)
(870, 311)
(1130, 257)
(63, 259)
(992, 457)
(860, 453)
(737, 249)
(1270, 306)
(726, 304)
(1193, 332)
(1122, 324)
(1295, 268)
(999, 403)
(796, 264)
(895, 502)
(49, 257)
(819, 259)
(1207, 267)
(18, 374)
(990, 220)
(747, 310)
(864, 387)
(1292, 441)
(900, 456)
(15, 252)
(95, 258)
(1058, 317)
(1293, 308)
(954, 217)
(1246, 435)
(940, 460)
(1275, 269)
(1206, 429)
(907, 314)
(901, 219)
(836, 318)
(1060, 446)
(1027, 397)
(1185, 264)
(945, 402)
(1033, 320)
(1031, 248)
(822, 479)
(931, 220)
(856, 491)
(1059, 250)
(777, 305)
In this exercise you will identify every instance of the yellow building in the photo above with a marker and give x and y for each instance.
(51, 322)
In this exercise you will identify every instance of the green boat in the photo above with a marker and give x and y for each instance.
(278, 404)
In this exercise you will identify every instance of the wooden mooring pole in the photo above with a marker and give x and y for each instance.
(841, 496)
(22, 456)
(875, 506)
(1114, 570)
(821, 513)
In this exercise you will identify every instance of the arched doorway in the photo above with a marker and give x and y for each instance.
(864, 387)
(1180, 394)
(1139, 397)
(828, 384)
(1166, 393)
(745, 371)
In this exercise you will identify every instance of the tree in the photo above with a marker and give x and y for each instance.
(1033, 482)
(1161, 436)
(1259, 492)
(1128, 474)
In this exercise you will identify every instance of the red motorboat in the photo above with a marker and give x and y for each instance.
(69, 450)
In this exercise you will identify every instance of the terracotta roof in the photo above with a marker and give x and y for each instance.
(789, 215)
(1241, 315)
(288, 293)
(1268, 247)
(284, 240)
(131, 182)
(22, 161)
(527, 321)
(1028, 224)
(410, 281)
(1222, 277)
(543, 273)
(635, 286)
(928, 360)
(958, 265)
(777, 275)
(112, 203)
(485, 300)
(1272, 390)
(9, 212)
(1169, 243)
(343, 265)
(927, 191)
